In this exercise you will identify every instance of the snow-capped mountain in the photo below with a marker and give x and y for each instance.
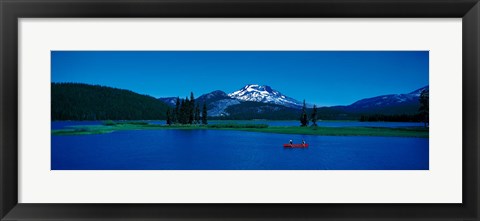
(264, 94)
(256, 101)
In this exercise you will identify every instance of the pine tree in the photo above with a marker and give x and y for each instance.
(191, 108)
(313, 117)
(197, 114)
(176, 112)
(204, 113)
(424, 106)
(169, 117)
(304, 117)
(181, 112)
(186, 104)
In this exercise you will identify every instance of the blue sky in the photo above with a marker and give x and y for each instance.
(321, 77)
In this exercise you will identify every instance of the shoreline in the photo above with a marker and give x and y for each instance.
(418, 132)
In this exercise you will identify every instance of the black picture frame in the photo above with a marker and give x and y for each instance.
(11, 10)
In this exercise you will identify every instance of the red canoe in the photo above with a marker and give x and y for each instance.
(296, 145)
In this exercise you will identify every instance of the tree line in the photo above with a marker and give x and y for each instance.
(77, 101)
(392, 118)
(187, 111)
(421, 116)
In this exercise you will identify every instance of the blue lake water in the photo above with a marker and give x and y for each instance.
(58, 125)
(234, 150)
(326, 123)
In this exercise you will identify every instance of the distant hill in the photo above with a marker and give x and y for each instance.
(170, 101)
(217, 103)
(387, 104)
(213, 97)
(249, 110)
(74, 101)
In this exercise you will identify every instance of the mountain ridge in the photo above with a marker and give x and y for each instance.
(221, 104)
(387, 104)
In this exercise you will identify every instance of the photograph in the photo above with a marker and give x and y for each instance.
(239, 110)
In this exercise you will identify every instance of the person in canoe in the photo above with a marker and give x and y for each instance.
(291, 144)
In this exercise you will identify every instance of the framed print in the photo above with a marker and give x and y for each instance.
(239, 110)
(232, 127)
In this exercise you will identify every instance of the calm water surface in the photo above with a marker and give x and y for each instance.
(234, 150)
(56, 125)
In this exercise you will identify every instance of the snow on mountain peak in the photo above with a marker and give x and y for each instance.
(264, 94)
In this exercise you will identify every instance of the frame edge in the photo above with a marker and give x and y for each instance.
(9, 106)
